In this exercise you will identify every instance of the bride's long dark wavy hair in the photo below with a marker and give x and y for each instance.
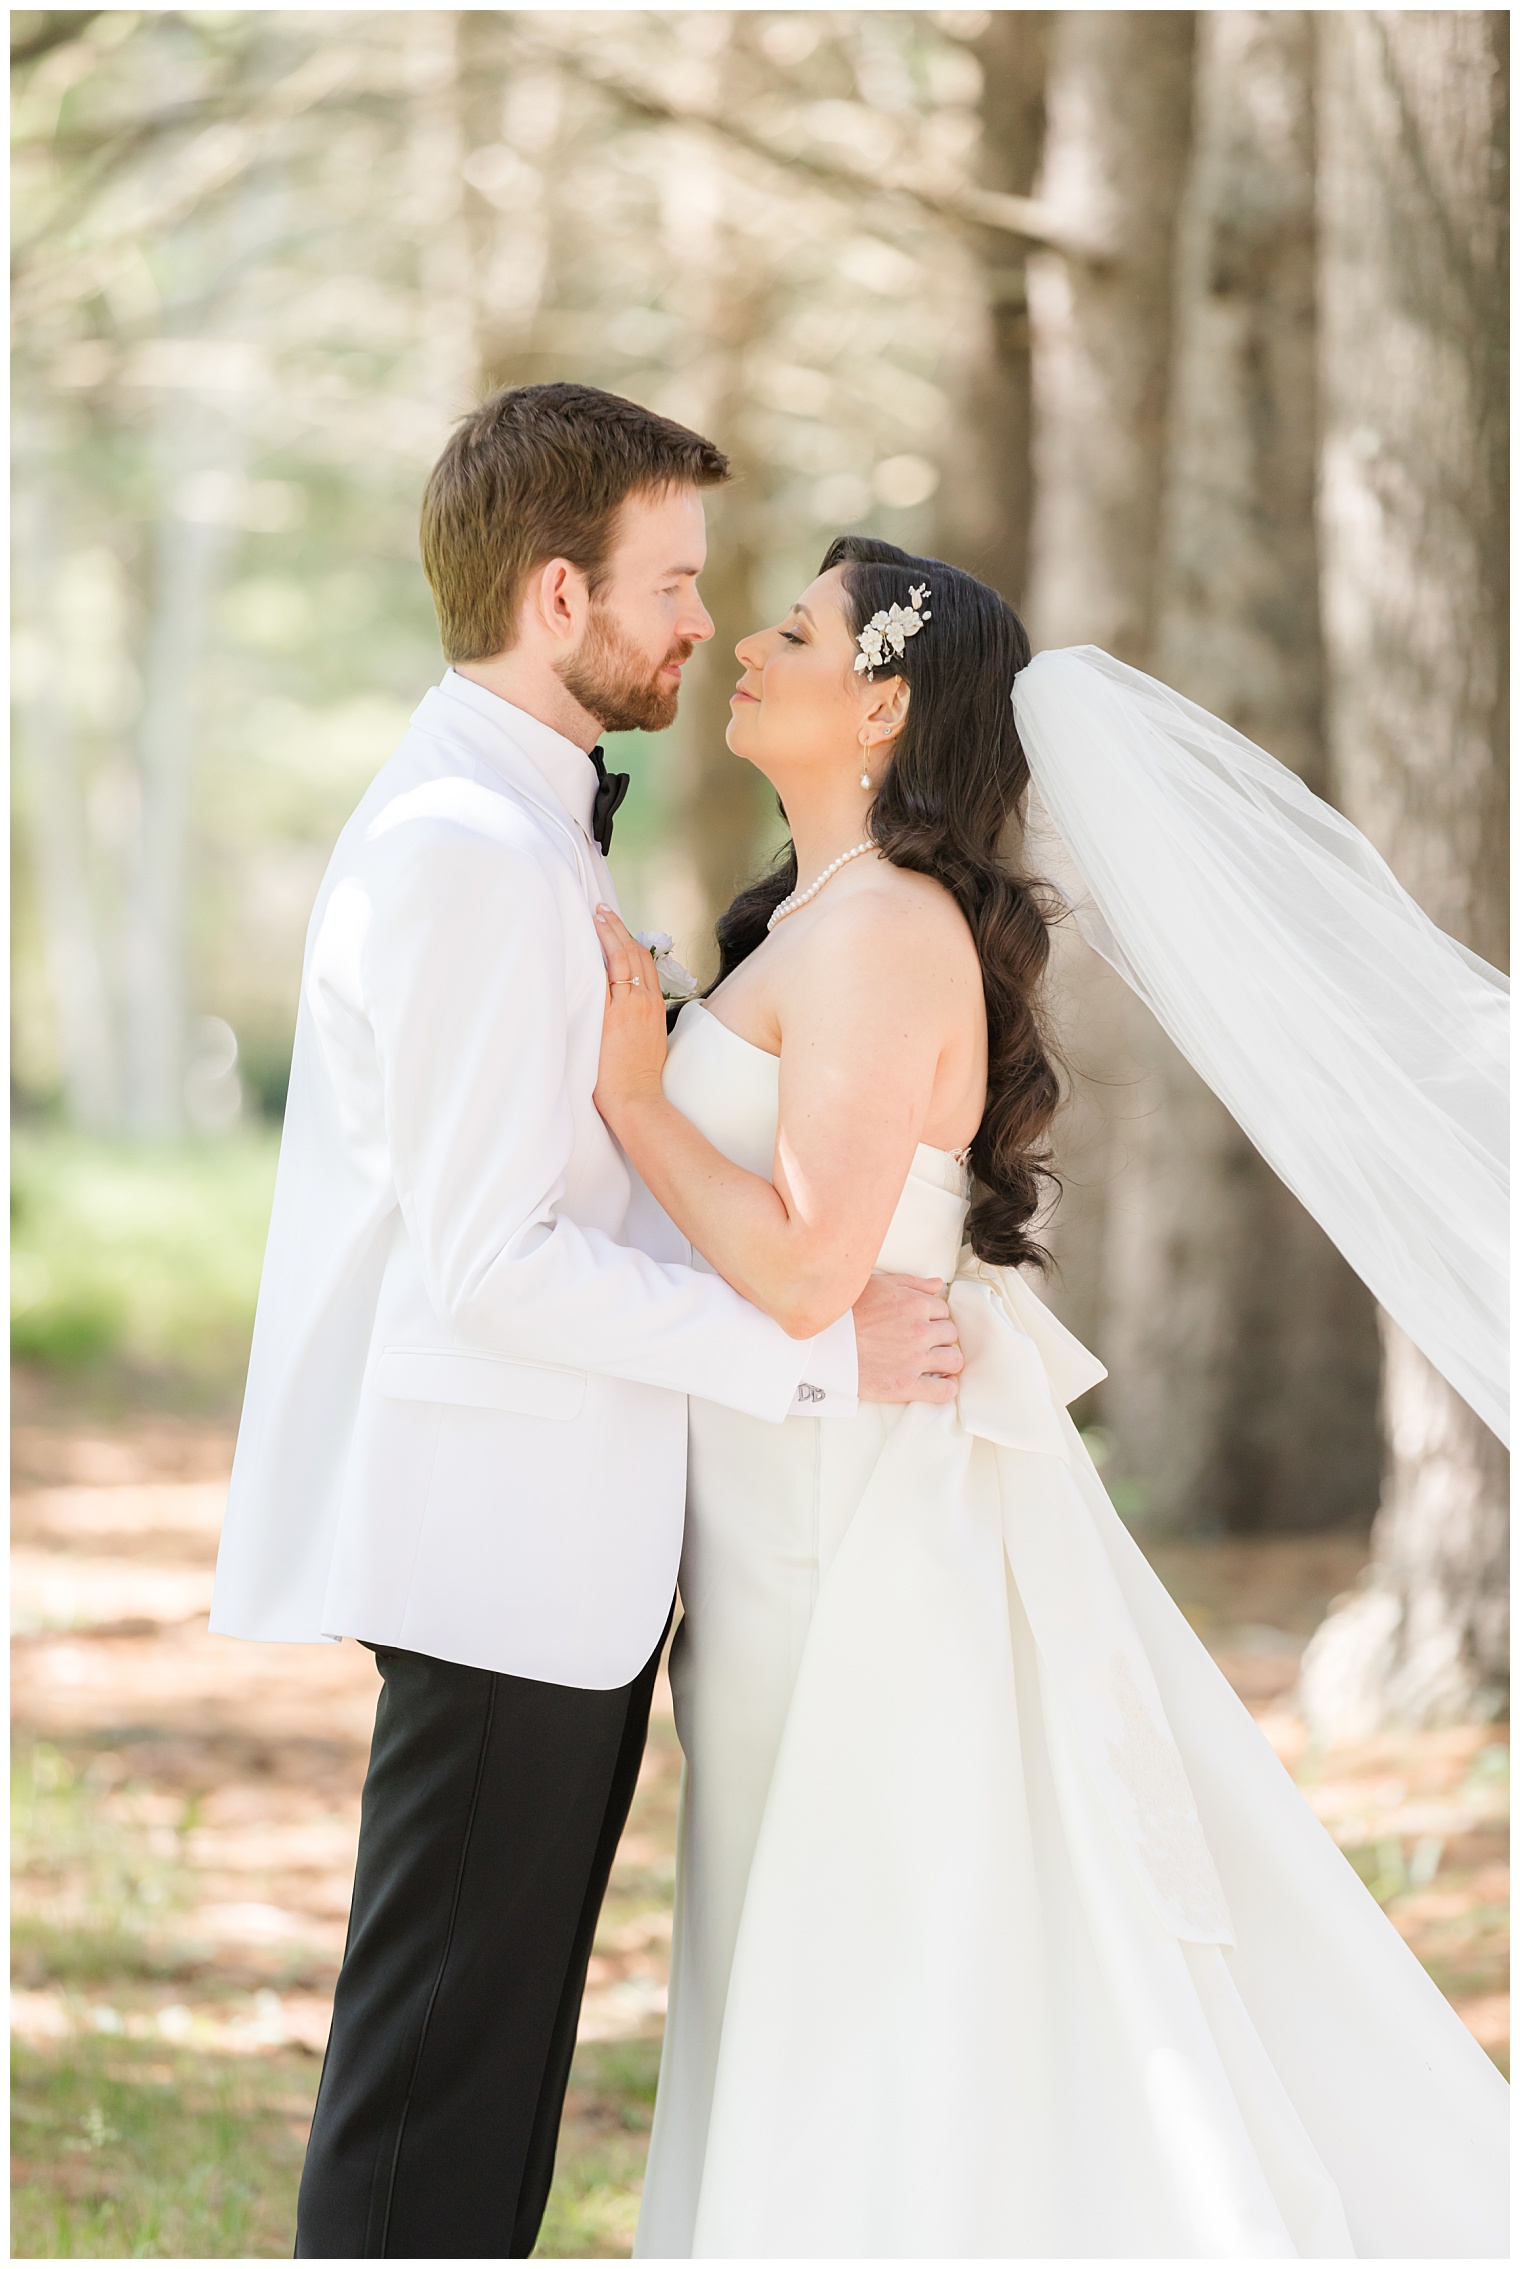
(958, 775)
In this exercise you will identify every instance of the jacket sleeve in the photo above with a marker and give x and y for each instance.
(465, 974)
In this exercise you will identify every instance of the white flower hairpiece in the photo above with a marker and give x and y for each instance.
(892, 626)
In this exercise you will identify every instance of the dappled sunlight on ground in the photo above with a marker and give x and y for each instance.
(186, 1817)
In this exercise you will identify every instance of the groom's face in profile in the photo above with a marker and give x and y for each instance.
(646, 618)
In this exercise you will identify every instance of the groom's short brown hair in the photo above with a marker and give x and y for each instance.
(539, 473)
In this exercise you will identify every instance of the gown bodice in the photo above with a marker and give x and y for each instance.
(731, 1090)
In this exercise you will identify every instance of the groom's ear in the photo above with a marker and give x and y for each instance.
(556, 601)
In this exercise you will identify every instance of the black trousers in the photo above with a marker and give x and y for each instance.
(492, 1811)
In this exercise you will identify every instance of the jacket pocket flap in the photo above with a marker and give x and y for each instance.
(481, 1382)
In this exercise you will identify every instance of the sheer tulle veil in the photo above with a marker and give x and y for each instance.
(1362, 1051)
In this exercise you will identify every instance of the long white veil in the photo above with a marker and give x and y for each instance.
(1363, 1052)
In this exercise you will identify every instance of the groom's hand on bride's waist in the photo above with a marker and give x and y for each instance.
(905, 1341)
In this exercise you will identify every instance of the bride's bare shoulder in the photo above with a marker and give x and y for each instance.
(915, 911)
(891, 916)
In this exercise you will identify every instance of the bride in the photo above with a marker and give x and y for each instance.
(1000, 1931)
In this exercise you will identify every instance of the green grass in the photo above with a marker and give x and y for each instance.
(137, 1266)
(594, 2205)
(133, 2149)
(133, 2145)
(138, 2150)
(127, 2148)
(98, 1870)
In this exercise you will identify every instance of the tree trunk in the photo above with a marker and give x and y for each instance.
(1425, 1640)
(48, 761)
(988, 501)
(513, 122)
(202, 446)
(1118, 125)
(722, 800)
(1243, 1349)
(718, 802)
(192, 543)
(434, 159)
(1414, 246)
(1119, 111)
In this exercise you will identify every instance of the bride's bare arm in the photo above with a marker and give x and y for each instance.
(867, 1014)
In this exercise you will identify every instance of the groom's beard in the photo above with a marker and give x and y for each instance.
(614, 683)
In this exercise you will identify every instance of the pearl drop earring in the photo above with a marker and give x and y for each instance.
(865, 779)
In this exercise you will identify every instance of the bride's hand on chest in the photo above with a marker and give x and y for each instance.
(633, 1025)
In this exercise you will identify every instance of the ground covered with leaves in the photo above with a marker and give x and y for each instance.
(185, 1816)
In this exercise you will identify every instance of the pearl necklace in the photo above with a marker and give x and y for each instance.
(801, 897)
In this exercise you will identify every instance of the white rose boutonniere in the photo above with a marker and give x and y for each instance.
(677, 984)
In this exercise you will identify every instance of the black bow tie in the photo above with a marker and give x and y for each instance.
(611, 788)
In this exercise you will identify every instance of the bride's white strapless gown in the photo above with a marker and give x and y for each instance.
(1000, 1930)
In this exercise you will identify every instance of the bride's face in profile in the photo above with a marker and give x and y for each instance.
(801, 706)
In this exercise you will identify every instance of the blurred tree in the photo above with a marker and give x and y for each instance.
(1119, 103)
(197, 480)
(714, 799)
(48, 768)
(1414, 111)
(434, 154)
(221, 272)
(727, 289)
(36, 31)
(1243, 1349)
(988, 503)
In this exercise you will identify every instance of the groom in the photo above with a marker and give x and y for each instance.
(463, 1441)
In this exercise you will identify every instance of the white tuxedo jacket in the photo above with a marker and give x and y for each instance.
(465, 1423)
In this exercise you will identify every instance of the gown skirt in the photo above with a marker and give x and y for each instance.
(1000, 1929)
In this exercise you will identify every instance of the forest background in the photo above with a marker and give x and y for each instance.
(1185, 329)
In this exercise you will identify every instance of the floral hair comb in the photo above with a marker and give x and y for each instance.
(891, 627)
